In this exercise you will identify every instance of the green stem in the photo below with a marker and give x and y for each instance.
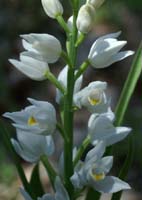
(9, 147)
(61, 130)
(50, 170)
(81, 150)
(63, 24)
(82, 69)
(129, 86)
(66, 58)
(55, 82)
(68, 104)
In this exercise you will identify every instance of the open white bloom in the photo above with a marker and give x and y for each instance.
(31, 147)
(85, 18)
(100, 127)
(105, 51)
(93, 97)
(60, 194)
(96, 3)
(39, 118)
(31, 67)
(53, 8)
(62, 78)
(43, 47)
(93, 172)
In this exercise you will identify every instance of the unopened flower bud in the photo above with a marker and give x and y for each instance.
(52, 7)
(95, 3)
(85, 18)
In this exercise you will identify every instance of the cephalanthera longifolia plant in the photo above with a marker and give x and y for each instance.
(36, 124)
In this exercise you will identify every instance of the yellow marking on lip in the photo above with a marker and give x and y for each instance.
(94, 101)
(98, 177)
(32, 121)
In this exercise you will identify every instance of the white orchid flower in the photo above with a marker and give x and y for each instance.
(93, 97)
(62, 78)
(95, 3)
(60, 194)
(105, 51)
(93, 172)
(85, 18)
(40, 118)
(31, 67)
(100, 127)
(31, 147)
(43, 47)
(52, 8)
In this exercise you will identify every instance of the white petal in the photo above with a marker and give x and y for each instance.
(24, 153)
(105, 164)
(28, 70)
(121, 55)
(120, 134)
(47, 46)
(27, 46)
(110, 184)
(96, 153)
(100, 39)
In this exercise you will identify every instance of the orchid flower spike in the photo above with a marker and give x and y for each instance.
(39, 118)
(60, 194)
(85, 18)
(43, 47)
(31, 147)
(62, 78)
(105, 51)
(52, 8)
(93, 97)
(101, 128)
(93, 172)
(31, 67)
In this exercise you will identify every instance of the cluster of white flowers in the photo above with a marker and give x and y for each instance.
(36, 124)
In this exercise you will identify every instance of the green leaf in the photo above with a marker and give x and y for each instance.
(9, 147)
(125, 168)
(92, 195)
(122, 106)
(129, 86)
(35, 182)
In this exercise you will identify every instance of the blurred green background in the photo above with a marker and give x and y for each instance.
(27, 16)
